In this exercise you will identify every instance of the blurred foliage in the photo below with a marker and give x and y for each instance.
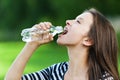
(47, 55)
(18, 14)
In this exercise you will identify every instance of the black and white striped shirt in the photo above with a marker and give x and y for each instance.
(55, 72)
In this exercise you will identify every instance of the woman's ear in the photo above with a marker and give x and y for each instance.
(87, 42)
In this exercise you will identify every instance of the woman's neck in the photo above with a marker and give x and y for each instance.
(78, 64)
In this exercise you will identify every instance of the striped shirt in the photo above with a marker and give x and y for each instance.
(55, 72)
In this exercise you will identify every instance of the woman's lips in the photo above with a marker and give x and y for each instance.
(64, 32)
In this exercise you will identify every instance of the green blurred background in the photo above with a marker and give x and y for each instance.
(16, 15)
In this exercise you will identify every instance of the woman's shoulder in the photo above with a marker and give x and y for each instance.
(61, 64)
(58, 67)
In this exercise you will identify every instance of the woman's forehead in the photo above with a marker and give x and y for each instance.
(86, 16)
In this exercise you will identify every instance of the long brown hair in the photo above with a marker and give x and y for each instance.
(104, 52)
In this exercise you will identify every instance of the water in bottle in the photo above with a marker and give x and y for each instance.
(33, 34)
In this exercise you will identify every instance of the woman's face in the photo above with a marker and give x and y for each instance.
(76, 30)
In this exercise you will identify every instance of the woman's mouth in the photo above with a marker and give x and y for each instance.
(64, 32)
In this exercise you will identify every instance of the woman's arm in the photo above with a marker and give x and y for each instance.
(16, 70)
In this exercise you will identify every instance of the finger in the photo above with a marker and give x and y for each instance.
(36, 26)
(50, 37)
(43, 26)
(48, 24)
(45, 35)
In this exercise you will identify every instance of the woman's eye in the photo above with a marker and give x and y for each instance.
(78, 21)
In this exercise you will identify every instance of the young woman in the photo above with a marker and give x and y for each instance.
(92, 48)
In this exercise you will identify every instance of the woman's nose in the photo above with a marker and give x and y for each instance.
(68, 22)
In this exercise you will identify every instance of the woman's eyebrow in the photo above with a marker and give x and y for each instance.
(79, 18)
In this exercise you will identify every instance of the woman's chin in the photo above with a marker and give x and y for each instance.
(60, 42)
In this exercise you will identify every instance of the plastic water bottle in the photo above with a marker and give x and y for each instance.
(34, 34)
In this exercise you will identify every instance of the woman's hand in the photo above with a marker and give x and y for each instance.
(43, 38)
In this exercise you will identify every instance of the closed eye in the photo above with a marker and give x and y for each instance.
(78, 22)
